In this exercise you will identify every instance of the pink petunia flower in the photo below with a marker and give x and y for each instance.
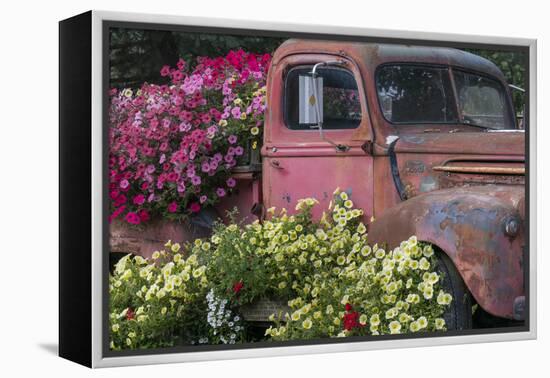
(236, 112)
(181, 64)
(172, 207)
(239, 150)
(231, 182)
(165, 71)
(132, 218)
(185, 127)
(196, 180)
(139, 199)
(177, 76)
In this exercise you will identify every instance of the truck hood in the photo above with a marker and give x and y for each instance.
(509, 142)
(428, 162)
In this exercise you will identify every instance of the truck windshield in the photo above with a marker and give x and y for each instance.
(412, 94)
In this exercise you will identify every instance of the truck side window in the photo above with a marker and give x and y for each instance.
(415, 94)
(341, 103)
(482, 101)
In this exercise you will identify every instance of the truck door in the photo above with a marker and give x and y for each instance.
(298, 162)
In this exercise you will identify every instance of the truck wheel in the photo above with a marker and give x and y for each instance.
(458, 315)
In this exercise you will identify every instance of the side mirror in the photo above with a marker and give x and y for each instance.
(311, 100)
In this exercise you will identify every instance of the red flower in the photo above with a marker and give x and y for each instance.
(237, 286)
(351, 318)
(113, 194)
(120, 200)
(143, 215)
(116, 213)
(351, 321)
(130, 314)
(194, 207)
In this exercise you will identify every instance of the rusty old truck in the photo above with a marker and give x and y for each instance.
(424, 139)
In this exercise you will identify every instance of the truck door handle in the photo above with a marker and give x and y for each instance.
(275, 164)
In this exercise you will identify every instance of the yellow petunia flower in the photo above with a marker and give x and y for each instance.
(395, 327)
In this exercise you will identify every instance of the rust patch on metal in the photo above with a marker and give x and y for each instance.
(467, 224)
(453, 180)
(482, 170)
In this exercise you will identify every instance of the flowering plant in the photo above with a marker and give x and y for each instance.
(172, 147)
(336, 283)
(158, 303)
(225, 327)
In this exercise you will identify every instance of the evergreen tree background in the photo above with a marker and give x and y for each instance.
(136, 56)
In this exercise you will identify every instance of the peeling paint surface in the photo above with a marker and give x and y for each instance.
(468, 225)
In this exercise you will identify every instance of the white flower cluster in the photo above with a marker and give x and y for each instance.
(225, 325)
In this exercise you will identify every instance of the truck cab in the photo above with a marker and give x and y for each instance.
(423, 139)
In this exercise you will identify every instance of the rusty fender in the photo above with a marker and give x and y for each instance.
(480, 228)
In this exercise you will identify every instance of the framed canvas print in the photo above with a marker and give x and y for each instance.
(233, 189)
